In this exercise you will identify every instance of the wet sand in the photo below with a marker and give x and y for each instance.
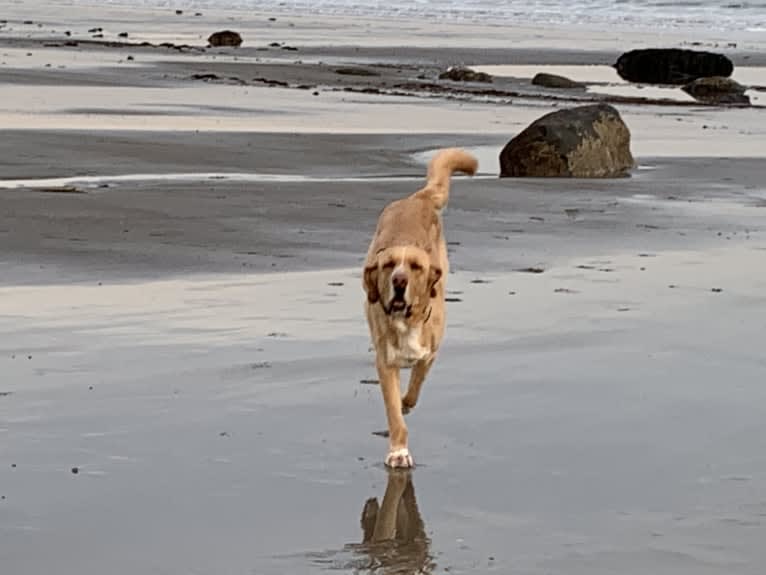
(187, 385)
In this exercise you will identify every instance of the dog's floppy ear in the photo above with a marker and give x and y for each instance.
(371, 282)
(434, 275)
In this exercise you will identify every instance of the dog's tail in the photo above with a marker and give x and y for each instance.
(440, 170)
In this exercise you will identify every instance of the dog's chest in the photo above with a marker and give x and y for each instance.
(407, 347)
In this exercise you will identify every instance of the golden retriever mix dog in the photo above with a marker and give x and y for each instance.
(404, 277)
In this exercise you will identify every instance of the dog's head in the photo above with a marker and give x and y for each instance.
(402, 278)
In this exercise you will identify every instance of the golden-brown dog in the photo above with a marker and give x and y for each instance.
(404, 277)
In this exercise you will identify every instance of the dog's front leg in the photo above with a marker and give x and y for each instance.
(398, 454)
(417, 377)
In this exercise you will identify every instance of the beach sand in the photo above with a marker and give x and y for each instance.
(187, 385)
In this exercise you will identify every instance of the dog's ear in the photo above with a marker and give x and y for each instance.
(434, 275)
(371, 282)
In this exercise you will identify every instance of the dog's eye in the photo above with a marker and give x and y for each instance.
(415, 266)
(388, 265)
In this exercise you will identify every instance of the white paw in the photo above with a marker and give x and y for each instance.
(399, 458)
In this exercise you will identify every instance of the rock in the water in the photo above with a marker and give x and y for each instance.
(717, 90)
(225, 38)
(671, 65)
(457, 74)
(554, 81)
(583, 142)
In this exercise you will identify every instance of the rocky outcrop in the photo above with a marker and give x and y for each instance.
(225, 38)
(671, 65)
(457, 74)
(554, 81)
(583, 142)
(718, 90)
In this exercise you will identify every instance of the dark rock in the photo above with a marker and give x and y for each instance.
(457, 74)
(122, 35)
(554, 81)
(179, 12)
(717, 90)
(356, 71)
(583, 142)
(95, 30)
(225, 38)
(671, 66)
(75, 470)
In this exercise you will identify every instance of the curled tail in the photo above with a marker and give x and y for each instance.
(440, 170)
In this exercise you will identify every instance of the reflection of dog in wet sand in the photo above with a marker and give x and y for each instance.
(394, 533)
(404, 277)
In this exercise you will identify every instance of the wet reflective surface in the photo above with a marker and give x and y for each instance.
(393, 538)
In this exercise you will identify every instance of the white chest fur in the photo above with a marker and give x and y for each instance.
(407, 349)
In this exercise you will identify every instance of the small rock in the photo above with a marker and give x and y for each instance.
(179, 12)
(95, 30)
(532, 270)
(75, 470)
(716, 290)
(122, 35)
(459, 74)
(554, 81)
(717, 90)
(225, 38)
(130, 58)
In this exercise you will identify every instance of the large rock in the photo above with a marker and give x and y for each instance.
(717, 90)
(457, 74)
(225, 38)
(554, 81)
(671, 65)
(584, 142)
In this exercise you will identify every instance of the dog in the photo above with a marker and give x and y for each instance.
(404, 279)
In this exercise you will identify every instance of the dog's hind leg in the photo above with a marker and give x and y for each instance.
(417, 377)
(398, 454)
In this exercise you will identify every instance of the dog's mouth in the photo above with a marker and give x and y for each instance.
(399, 305)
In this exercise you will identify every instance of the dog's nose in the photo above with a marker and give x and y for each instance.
(399, 279)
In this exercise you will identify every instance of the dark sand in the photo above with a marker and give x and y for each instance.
(196, 351)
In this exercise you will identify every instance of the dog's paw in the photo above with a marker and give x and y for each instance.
(407, 405)
(400, 459)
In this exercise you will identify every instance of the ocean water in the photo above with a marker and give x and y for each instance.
(718, 15)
